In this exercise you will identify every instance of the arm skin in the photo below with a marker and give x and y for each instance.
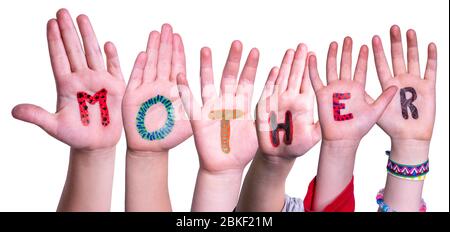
(216, 191)
(400, 194)
(146, 182)
(154, 73)
(336, 164)
(290, 89)
(410, 138)
(264, 185)
(89, 181)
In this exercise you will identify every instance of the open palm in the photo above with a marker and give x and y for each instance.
(154, 74)
(407, 124)
(288, 90)
(224, 131)
(76, 71)
(344, 111)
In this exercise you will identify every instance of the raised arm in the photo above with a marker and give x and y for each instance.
(345, 116)
(286, 130)
(408, 120)
(154, 121)
(224, 131)
(88, 116)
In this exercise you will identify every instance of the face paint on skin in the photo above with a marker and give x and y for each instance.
(275, 128)
(225, 116)
(337, 106)
(99, 97)
(140, 118)
(407, 103)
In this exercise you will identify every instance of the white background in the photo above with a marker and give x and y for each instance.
(33, 165)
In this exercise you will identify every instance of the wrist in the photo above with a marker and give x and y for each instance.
(95, 153)
(274, 161)
(273, 167)
(223, 174)
(216, 191)
(226, 179)
(99, 157)
(338, 155)
(265, 183)
(146, 154)
(340, 148)
(409, 151)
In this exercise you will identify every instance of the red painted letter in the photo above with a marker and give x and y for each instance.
(337, 106)
(99, 97)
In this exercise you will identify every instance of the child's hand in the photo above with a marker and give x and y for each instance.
(411, 113)
(409, 118)
(87, 117)
(154, 118)
(285, 111)
(223, 129)
(285, 129)
(81, 121)
(345, 113)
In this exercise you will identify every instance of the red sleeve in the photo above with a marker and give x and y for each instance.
(344, 202)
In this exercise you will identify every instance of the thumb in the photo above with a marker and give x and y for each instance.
(368, 98)
(189, 103)
(379, 106)
(138, 72)
(37, 116)
(317, 132)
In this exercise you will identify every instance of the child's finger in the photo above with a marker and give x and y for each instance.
(270, 84)
(178, 58)
(231, 69)
(207, 75)
(93, 52)
(152, 59)
(398, 61)
(381, 64)
(361, 66)
(165, 53)
(58, 56)
(71, 40)
(285, 68)
(298, 68)
(430, 71)
(112, 60)
(316, 133)
(248, 74)
(379, 106)
(189, 103)
(137, 74)
(368, 98)
(314, 74)
(306, 86)
(36, 115)
(346, 59)
(412, 53)
(332, 63)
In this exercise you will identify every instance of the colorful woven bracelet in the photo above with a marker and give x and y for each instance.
(409, 172)
(383, 207)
